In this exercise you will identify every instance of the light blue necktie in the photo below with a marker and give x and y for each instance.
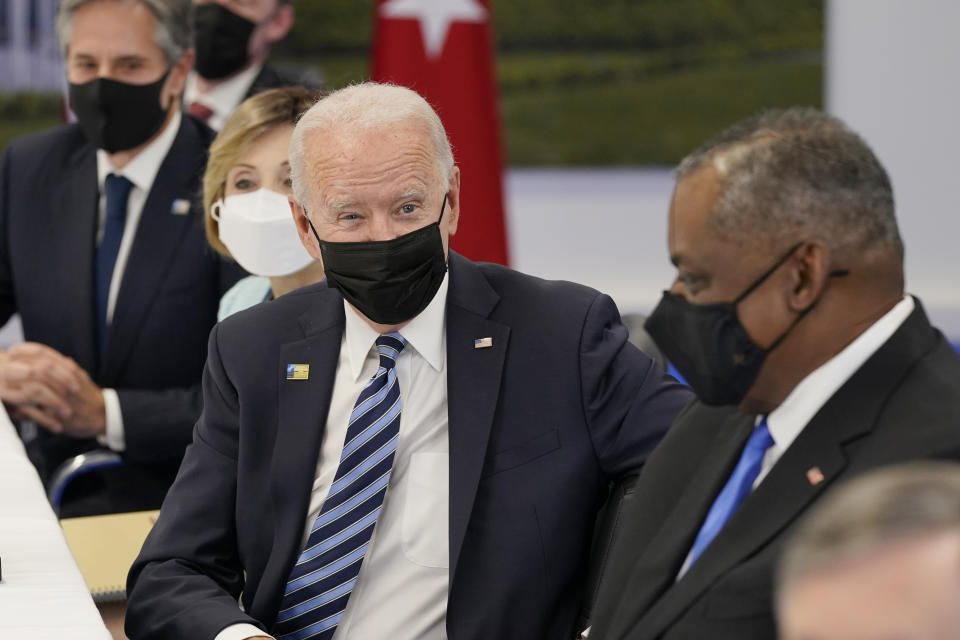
(326, 572)
(116, 191)
(736, 490)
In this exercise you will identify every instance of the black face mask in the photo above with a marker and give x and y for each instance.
(116, 116)
(221, 40)
(709, 346)
(388, 281)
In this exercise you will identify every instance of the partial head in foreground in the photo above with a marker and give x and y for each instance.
(879, 559)
(784, 225)
(371, 164)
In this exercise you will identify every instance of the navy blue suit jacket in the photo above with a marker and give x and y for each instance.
(538, 425)
(166, 305)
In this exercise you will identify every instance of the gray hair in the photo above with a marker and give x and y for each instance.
(364, 107)
(797, 171)
(173, 34)
(885, 506)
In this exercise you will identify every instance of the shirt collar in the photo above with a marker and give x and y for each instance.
(788, 420)
(223, 97)
(425, 333)
(143, 168)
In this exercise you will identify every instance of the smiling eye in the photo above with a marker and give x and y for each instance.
(244, 184)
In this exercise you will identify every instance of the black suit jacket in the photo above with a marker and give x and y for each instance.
(902, 404)
(166, 305)
(270, 77)
(538, 424)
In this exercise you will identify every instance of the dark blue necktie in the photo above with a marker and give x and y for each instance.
(116, 190)
(736, 490)
(326, 572)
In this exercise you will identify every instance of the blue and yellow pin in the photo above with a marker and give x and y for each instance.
(298, 372)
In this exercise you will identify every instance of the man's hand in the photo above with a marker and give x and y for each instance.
(49, 388)
(36, 389)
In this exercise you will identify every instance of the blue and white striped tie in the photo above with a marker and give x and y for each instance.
(326, 571)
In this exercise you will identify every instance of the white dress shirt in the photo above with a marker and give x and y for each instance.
(808, 397)
(141, 171)
(223, 97)
(401, 591)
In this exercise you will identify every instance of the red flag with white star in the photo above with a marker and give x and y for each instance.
(443, 50)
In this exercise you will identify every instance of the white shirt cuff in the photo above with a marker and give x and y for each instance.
(241, 632)
(114, 438)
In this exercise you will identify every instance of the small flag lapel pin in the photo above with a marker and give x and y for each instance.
(814, 476)
(180, 207)
(298, 372)
(482, 343)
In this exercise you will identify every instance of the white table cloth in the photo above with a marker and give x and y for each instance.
(42, 596)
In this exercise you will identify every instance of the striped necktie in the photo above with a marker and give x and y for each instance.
(326, 572)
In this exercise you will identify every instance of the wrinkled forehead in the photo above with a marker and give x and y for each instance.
(364, 160)
(113, 29)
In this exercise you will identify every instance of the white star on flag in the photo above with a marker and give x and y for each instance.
(435, 17)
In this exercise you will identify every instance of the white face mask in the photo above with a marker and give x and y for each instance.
(259, 231)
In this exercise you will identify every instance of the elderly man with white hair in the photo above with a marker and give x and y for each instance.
(416, 448)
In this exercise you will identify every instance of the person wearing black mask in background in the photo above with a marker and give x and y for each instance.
(233, 40)
(102, 252)
(788, 318)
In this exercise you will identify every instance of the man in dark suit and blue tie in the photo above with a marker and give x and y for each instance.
(788, 317)
(414, 449)
(103, 255)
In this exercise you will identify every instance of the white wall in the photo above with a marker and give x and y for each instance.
(603, 228)
(892, 75)
(26, 65)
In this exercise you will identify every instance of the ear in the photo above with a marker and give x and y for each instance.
(809, 270)
(177, 80)
(280, 24)
(307, 238)
(453, 202)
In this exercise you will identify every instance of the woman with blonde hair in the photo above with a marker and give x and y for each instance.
(245, 191)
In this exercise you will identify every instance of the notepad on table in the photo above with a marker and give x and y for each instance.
(105, 548)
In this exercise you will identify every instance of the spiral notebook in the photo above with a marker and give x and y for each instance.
(105, 547)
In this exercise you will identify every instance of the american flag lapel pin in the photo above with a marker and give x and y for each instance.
(814, 476)
(482, 343)
(180, 207)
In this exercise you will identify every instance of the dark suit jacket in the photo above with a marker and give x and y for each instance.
(272, 78)
(538, 425)
(902, 404)
(166, 305)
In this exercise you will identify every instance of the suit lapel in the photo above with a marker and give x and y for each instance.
(301, 421)
(158, 239)
(657, 567)
(72, 228)
(473, 387)
(777, 502)
(787, 491)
